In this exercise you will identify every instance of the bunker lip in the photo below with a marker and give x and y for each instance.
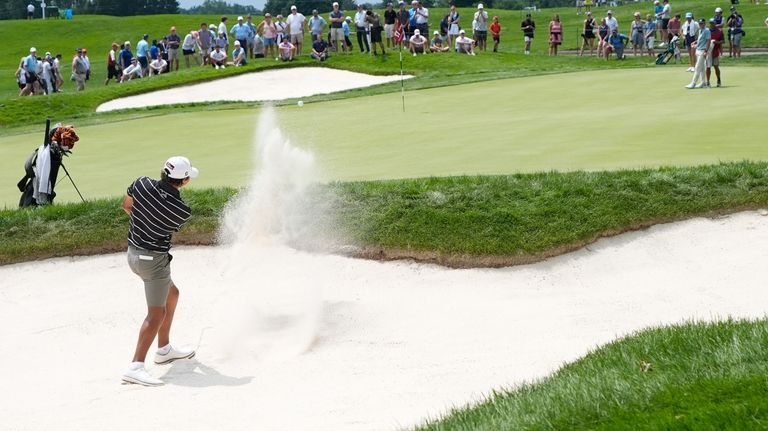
(419, 339)
(259, 86)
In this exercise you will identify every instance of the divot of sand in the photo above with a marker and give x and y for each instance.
(383, 345)
(254, 87)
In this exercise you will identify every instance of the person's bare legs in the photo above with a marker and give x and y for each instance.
(164, 334)
(157, 323)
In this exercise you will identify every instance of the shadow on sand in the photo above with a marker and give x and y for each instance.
(194, 373)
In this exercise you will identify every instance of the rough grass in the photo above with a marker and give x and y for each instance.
(694, 376)
(456, 221)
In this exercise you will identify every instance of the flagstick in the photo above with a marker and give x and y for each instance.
(402, 86)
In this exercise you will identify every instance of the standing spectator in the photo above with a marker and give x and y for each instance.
(715, 50)
(57, 72)
(112, 65)
(588, 6)
(650, 34)
(240, 32)
(218, 58)
(588, 34)
(418, 43)
(126, 55)
(79, 69)
(222, 30)
(157, 66)
(404, 22)
(337, 28)
(154, 50)
(87, 64)
(220, 41)
(47, 75)
(389, 25)
(374, 22)
(206, 41)
(345, 27)
(239, 54)
(555, 34)
(30, 11)
(464, 45)
(421, 16)
(361, 28)
(528, 26)
(30, 63)
(673, 29)
(296, 26)
(142, 51)
(480, 27)
(691, 31)
(495, 33)
(719, 18)
(280, 26)
(268, 31)
(637, 34)
(616, 43)
(319, 49)
(174, 42)
(664, 16)
(21, 78)
(453, 24)
(735, 32)
(613, 23)
(702, 49)
(316, 26)
(189, 47)
(287, 50)
(251, 34)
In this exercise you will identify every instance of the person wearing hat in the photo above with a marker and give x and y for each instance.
(112, 64)
(701, 45)
(465, 45)
(316, 26)
(613, 23)
(30, 73)
(191, 47)
(480, 27)
(616, 44)
(418, 43)
(156, 211)
(174, 42)
(46, 75)
(690, 30)
(588, 35)
(218, 58)
(528, 26)
(134, 70)
(239, 55)
(79, 69)
(436, 44)
(345, 27)
(337, 28)
(297, 24)
(735, 32)
(241, 32)
(637, 35)
(268, 33)
(715, 51)
(719, 18)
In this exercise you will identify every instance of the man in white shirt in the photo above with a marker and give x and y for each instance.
(30, 11)
(361, 29)
(418, 43)
(132, 71)
(464, 45)
(223, 29)
(480, 27)
(421, 15)
(611, 22)
(218, 58)
(690, 30)
(157, 66)
(296, 23)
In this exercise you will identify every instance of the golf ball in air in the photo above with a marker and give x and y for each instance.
(300, 103)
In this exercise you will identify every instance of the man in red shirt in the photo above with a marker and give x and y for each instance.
(716, 48)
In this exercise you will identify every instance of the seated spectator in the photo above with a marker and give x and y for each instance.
(238, 55)
(418, 43)
(616, 43)
(259, 47)
(157, 66)
(218, 58)
(132, 71)
(465, 45)
(437, 43)
(319, 49)
(287, 50)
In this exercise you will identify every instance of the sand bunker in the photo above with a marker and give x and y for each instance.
(331, 343)
(258, 86)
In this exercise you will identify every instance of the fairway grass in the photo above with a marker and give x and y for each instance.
(577, 121)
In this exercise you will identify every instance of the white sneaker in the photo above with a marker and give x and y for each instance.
(223, 67)
(217, 66)
(690, 86)
(414, 54)
(141, 377)
(173, 355)
(690, 69)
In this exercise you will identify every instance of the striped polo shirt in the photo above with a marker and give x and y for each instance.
(158, 211)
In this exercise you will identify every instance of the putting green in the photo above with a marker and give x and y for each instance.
(590, 120)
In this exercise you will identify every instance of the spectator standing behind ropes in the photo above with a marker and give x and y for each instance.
(157, 66)
(218, 58)
(239, 55)
(241, 32)
(142, 51)
(612, 22)
(46, 75)
(588, 35)
(453, 25)
(418, 43)
(702, 49)
(389, 25)
(374, 21)
(719, 18)
(268, 32)
(665, 15)
(280, 26)
(480, 27)
(495, 33)
(30, 11)
(361, 29)
(154, 50)
(337, 28)
(404, 21)
(347, 32)
(174, 42)
(112, 65)
(650, 34)
(57, 73)
(421, 16)
(690, 30)
(715, 50)
(316, 26)
(673, 29)
(189, 47)
(464, 45)
(637, 34)
(251, 34)
(528, 26)
(79, 69)
(87, 62)
(206, 41)
(555, 34)
(296, 25)
(126, 55)
(21, 78)
(222, 30)
(735, 32)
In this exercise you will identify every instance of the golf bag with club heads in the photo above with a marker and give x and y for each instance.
(42, 167)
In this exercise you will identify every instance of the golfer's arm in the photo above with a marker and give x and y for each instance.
(128, 204)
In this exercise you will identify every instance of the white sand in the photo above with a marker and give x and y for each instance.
(258, 86)
(389, 343)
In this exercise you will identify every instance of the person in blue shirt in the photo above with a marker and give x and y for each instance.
(345, 27)
(616, 43)
(126, 55)
(241, 32)
(142, 51)
(238, 55)
(154, 51)
(702, 49)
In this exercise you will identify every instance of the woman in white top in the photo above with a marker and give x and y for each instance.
(453, 25)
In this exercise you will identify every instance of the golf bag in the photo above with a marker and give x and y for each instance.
(672, 51)
(41, 169)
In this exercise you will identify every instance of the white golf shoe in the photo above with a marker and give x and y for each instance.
(173, 355)
(140, 376)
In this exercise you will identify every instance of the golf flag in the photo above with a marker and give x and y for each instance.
(399, 34)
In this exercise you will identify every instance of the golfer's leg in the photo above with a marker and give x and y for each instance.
(164, 334)
(148, 331)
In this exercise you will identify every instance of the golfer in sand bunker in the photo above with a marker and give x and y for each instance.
(156, 211)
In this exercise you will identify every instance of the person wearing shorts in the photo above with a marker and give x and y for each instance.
(715, 50)
(174, 42)
(268, 34)
(389, 25)
(112, 72)
(649, 31)
(480, 28)
(495, 33)
(156, 211)
(528, 26)
(337, 29)
(588, 35)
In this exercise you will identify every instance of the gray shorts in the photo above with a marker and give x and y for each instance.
(154, 268)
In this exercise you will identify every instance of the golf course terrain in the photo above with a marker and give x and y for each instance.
(486, 161)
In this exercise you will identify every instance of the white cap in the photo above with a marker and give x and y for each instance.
(479, 5)
(718, 10)
(610, 12)
(293, 7)
(240, 18)
(416, 31)
(436, 32)
(179, 167)
(237, 43)
(335, 4)
(689, 15)
(462, 31)
(33, 49)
